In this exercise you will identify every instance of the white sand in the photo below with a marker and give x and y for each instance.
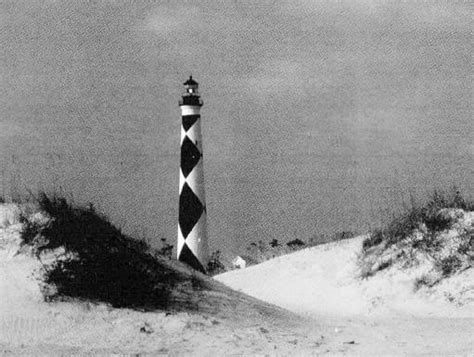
(324, 281)
(344, 315)
(383, 313)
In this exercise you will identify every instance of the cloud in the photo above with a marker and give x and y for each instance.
(169, 20)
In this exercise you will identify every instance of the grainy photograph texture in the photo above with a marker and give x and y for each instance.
(212, 178)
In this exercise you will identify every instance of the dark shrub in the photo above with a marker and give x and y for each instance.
(429, 220)
(295, 244)
(374, 239)
(437, 222)
(274, 243)
(403, 225)
(29, 231)
(103, 264)
(384, 265)
(449, 265)
(467, 248)
(166, 249)
(215, 265)
(423, 281)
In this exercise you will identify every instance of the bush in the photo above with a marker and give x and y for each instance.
(215, 265)
(166, 249)
(103, 264)
(416, 234)
(274, 243)
(30, 230)
(375, 238)
(449, 265)
(295, 244)
(261, 251)
(416, 217)
(424, 280)
(467, 247)
(437, 222)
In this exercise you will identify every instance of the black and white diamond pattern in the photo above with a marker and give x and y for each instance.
(190, 210)
(189, 120)
(190, 156)
(192, 241)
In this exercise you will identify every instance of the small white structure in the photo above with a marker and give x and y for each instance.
(239, 263)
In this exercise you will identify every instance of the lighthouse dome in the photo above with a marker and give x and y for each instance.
(190, 82)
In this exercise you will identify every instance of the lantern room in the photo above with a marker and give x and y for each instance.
(191, 94)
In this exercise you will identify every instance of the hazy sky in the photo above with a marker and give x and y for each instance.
(317, 115)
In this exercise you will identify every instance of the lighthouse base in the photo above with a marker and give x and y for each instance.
(186, 256)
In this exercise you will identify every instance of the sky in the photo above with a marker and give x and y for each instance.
(318, 116)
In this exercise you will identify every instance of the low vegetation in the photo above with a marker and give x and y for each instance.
(430, 215)
(262, 251)
(424, 232)
(215, 265)
(95, 261)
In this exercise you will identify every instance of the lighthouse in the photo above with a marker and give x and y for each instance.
(192, 245)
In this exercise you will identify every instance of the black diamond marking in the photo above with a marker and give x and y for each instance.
(189, 258)
(190, 210)
(190, 156)
(189, 120)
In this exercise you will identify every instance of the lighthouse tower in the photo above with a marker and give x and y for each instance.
(192, 236)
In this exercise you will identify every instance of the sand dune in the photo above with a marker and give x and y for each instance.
(311, 302)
